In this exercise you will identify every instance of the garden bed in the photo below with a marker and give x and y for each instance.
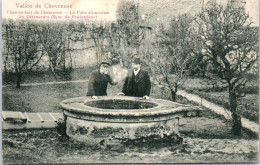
(248, 106)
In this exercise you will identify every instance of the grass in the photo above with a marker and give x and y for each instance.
(47, 76)
(43, 98)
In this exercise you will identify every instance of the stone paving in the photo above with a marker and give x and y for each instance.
(19, 120)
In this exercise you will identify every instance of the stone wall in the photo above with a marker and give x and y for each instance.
(158, 12)
(82, 54)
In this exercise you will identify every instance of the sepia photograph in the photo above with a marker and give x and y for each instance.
(130, 81)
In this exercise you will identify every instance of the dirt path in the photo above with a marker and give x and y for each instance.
(218, 109)
(49, 83)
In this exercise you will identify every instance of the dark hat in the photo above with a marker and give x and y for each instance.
(104, 63)
(136, 60)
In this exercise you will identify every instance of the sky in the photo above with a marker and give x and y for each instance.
(252, 7)
(77, 5)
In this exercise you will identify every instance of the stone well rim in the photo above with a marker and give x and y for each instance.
(164, 107)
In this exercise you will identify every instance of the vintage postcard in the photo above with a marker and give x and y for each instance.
(130, 81)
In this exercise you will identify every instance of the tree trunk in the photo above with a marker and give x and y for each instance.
(19, 79)
(173, 93)
(236, 118)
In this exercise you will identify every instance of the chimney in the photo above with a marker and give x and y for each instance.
(238, 3)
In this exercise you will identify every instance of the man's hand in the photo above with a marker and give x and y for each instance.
(146, 97)
(94, 97)
(121, 94)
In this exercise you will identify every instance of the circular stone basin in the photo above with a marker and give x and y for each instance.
(121, 118)
(120, 104)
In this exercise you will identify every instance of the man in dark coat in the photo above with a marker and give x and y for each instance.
(138, 82)
(99, 80)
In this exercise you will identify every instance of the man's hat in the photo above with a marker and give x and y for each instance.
(105, 63)
(136, 60)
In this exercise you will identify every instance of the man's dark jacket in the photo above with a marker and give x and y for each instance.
(137, 86)
(97, 85)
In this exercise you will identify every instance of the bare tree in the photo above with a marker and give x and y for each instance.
(127, 29)
(230, 49)
(170, 58)
(21, 45)
(114, 40)
(75, 31)
(54, 39)
(98, 32)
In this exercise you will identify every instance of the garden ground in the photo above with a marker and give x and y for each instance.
(207, 138)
